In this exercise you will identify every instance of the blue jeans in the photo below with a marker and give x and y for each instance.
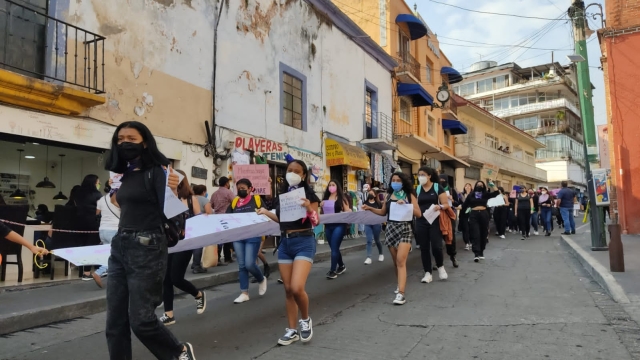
(567, 218)
(105, 237)
(246, 254)
(546, 218)
(334, 234)
(534, 221)
(373, 234)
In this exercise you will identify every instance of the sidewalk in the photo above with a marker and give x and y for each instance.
(624, 287)
(32, 307)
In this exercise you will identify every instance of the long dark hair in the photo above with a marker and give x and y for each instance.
(340, 197)
(433, 174)
(407, 186)
(89, 182)
(305, 179)
(151, 156)
(184, 189)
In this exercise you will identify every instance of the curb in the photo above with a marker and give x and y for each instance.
(74, 309)
(597, 271)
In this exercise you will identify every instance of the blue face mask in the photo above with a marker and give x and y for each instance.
(396, 186)
(206, 195)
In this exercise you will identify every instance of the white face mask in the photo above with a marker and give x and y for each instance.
(293, 179)
(422, 180)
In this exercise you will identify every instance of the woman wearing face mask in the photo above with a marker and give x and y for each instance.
(138, 260)
(86, 200)
(178, 262)
(247, 249)
(296, 252)
(500, 215)
(333, 202)
(524, 209)
(463, 224)
(536, 211)
(546, 207)
(479, 217)
(373, 231)
(398, 234)
(429, 236)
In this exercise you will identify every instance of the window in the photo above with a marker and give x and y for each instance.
(501, 82)
(447, 139)
(23, 37)
(485, 85)
(431, 125)
(467, 89)
(527, 123)
(529, 158)
(372, 126)
(293, 112)
(428, 73)
(472, 173)
(491, 141)
(403, 46)
(405, 110)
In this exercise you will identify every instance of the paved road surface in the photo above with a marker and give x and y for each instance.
(528, 300)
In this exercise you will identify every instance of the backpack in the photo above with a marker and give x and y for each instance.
(256, 198)
(435, 187)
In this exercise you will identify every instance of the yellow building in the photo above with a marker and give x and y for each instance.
(423, 127)
(495, 149)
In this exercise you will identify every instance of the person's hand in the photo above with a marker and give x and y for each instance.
(515, 213)
(39, 251)
(270, 180)
(262, 211)
(173, 179)
(401, 202)
(366, 207)
(304, 202)
(110, 182)
(437, 208)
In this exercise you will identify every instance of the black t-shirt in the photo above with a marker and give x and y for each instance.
(251, 206)
(428, 198)
(523, 202)
(536, 206)
(374, 204)
(298, 224)
(475, 199)
(138, 210)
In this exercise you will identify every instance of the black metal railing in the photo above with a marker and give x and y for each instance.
(408, 63)
(382, 122)
(35, 44)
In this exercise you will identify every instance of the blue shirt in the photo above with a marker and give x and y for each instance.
(566, 195)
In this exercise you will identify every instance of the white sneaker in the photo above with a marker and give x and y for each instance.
(399, 300)
(442, 273)
(368, 261)
(262, 287)
(501, 236)
(381, 258)
(427, 278)
(397, 290)
(242, 298)
(535, 233)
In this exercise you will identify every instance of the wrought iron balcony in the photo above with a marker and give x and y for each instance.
(507, 162)
(35, 44)
(408, 70)
(379, 132)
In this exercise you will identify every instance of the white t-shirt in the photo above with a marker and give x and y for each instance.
(108, 221)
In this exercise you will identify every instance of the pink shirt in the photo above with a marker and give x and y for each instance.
(221, 199)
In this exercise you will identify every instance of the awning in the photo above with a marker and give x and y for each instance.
(419, 96)
(344, 154)
(453, 74)
(455, 127)
(417, 28)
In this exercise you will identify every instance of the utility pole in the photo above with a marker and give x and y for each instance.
(585, 96)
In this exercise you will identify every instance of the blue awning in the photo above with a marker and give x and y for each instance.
(453, 74)
(419, 96)
(455, 127)
(417, 28)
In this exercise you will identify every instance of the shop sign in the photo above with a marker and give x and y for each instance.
(274, 151)
(602, 183)
(199, 173)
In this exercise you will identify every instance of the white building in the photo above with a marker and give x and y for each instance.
(542, 101)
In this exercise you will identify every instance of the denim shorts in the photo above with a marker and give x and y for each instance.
(298, 248)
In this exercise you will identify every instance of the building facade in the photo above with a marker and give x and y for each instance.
(424, 131)
(478, 148)
(540, 100)
(619, 43)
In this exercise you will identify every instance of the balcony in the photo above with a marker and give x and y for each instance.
(48, 64)
(408, 70)
(507, 163)
(524, 85)
(406, 123)
(379, 132)
(545, 155)
(450, 109)
(561, 128)
(536, 107)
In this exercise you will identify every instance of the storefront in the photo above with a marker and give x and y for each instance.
(346, 163)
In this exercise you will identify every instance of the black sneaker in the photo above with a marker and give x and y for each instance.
(201, 303)
(280, 281)
(166, 320)
(306, 330)
(341, 269)
(199, 270)
(547, 234)
(332, 275)
(454, 261)
(86, 277)
(573, 232)
(289, 337)
(188, 353)
(566, 233)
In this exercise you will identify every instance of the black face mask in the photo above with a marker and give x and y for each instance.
(370, 197)
(243, 193)
(479, 188)
(129, 151)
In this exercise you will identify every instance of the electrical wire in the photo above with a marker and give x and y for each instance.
(494, 13)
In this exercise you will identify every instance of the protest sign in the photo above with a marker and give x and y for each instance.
(290, 208)
(258, 174)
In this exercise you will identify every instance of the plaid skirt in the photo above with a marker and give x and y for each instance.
(398, 232)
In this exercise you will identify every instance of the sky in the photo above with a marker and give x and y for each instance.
(470, 28)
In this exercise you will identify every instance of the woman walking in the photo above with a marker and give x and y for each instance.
(178, 262)
(546, 208)
(247, 250)
(373, 231)
(501, 214)
(479, 217)
(138, 260)
(429, 236)
(463, 224)
(398, 234)
(334, 202)
(524, 209)
(296, 252)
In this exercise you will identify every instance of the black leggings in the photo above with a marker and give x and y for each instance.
(464, 227)
(429, 237)
(176, 268)
(524, 221)
(478, 230)
(500, 217)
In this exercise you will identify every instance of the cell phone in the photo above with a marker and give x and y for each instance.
(144, 240)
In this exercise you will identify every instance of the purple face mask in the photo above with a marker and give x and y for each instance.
(478, 195)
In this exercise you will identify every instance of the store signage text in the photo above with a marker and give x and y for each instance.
(258, 145)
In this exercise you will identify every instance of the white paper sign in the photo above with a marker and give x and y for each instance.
(115, 180)
(85, 255)
(431, 214)
(290, 208)
(496, 201)
(402, 212)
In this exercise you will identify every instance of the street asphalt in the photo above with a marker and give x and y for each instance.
(528, 300)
